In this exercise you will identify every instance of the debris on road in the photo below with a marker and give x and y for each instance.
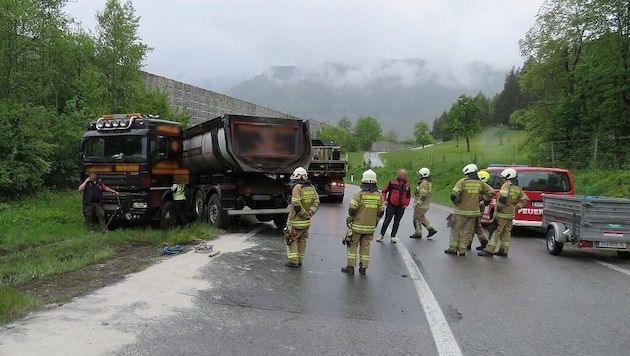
(172, 250)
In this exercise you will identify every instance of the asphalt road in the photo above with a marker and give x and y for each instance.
(531, 303)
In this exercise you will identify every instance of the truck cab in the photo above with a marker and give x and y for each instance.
(327, 170)
(138, 156)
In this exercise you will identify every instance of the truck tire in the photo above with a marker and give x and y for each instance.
(168, 217)
(623, 254)
(199, 206)
(553, 247)
(338, 200)
(280, 221)
(264, 218)
(216, 216)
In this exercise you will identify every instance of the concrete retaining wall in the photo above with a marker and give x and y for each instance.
(204, 104)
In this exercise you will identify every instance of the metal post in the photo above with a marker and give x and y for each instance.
(553, 156)
(513, 154)
(595, 151)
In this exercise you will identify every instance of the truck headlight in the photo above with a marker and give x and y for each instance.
(139, 205)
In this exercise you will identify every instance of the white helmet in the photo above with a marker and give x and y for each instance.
(369, 177)
(509, 173)
(471, 168)
(299, 173)
(424, 172)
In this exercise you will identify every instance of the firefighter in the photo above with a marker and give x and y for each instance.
(397, 196)
(365, 210)
(510, 199)
(466, 195)
(484, 176)
(179, 200)
(422, 200)
(92, 189)
(304, 204)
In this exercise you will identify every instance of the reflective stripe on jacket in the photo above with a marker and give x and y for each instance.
(423, 189)
(180, 192)
(513, 194)
(305, 197)
(469, 193)
(369, 208)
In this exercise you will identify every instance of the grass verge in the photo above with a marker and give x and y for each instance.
(44, 241)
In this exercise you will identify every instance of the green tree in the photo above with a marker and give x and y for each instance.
(465, 118)
(422, 134)
(500, 132)
(368, 130)
(510, 99)
(345, 124)
(120, 53)
(340, 137)
(391, 136)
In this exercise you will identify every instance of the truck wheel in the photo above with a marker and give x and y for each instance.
(199, 206)
(338, 200)
(264, 218)
(168, 218)
(623, 254)
(216, 216)
(553, 247)
(280, 221)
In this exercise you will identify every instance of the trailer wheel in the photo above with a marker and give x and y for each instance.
(280, 221)
(168, 217)
(216, 216)
(199, 206)
(623, 254)
(339, 199)
(553, 247)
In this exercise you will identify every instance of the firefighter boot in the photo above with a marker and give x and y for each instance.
(449, 252)
(416, 236)
(432, 232)
(291, 265)
(482, 246)
(347, 269)
(362, 269)
(501, 253)
(485, 253)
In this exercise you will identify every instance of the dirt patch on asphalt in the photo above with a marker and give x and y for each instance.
(59, 289)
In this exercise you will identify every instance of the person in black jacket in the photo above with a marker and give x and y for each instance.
(92, 189)
(397, 195)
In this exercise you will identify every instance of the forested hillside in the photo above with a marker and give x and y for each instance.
(572, 93)
(54, 78)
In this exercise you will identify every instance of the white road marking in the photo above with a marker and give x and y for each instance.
(613, 267)
(442, 333)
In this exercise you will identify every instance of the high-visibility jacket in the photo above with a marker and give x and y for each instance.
(397, 193)
(514, 198)
(304, 203)
(365, 210)
(179, 192)
(469, 192)
(423, 190)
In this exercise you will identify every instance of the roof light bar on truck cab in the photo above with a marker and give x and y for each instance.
(116, 121)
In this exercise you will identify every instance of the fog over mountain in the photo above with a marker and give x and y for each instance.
(397, 92)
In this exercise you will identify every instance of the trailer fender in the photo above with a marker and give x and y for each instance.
(559, 230)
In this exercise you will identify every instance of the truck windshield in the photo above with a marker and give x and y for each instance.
(541, 181)
(117, 148)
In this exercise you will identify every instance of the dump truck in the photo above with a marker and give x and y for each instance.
(327, 171)
(232, 165)
(587, 222)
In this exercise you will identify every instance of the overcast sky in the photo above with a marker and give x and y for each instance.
(219, 42)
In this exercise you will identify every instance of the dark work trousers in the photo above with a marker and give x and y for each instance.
(92, 209)
(180, 209)
(395, 212)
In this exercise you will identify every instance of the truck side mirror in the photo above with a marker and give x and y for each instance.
(81, 151)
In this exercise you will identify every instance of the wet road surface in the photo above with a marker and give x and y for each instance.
(529, 303)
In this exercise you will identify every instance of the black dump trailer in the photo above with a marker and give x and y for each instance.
(241, 165)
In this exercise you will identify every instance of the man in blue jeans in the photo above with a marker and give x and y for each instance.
(397, 195)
